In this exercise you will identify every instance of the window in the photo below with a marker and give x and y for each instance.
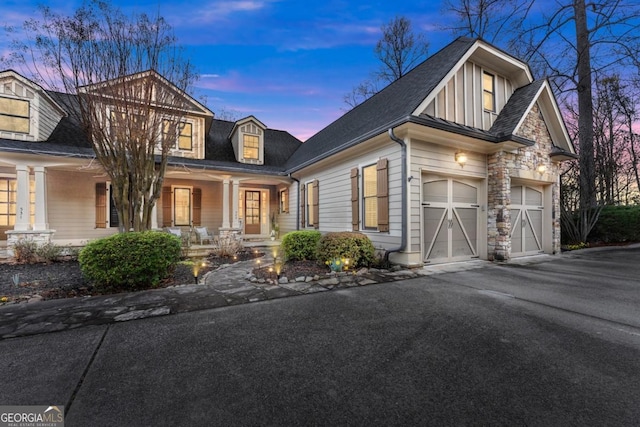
(106, 213)
(14, 115)
(8, 188)
(185, 134)
(8, 200)
(488, 92)
(283, 200)
(185, 139)
(182, 206)
(370, 197)
(309, 201)
(250, 147)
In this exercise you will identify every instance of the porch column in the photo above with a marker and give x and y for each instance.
(225, 203)
(234, 203)
(22, 198)
(154, 216)
(41, 214)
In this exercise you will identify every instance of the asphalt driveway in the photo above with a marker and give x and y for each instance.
(552, 343)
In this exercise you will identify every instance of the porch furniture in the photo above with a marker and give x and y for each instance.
(203, 235)
(176, 231)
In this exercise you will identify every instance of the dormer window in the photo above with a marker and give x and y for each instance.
(14, 115)
(488, 92)
(185, 139)
(250, 147)
(247, 137)
(185, 134)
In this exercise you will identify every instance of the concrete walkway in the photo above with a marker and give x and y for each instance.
(226, 286)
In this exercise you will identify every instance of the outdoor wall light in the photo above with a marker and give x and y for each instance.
(541, 168)
(461, 158)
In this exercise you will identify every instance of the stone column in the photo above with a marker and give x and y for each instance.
(225, 204)
(234, 203)
(498, 207)
(22, 199)
(41, 214)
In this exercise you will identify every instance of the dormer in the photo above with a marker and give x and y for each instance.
(177, 117)
(247, 138)
(27, 112)
(476, 90)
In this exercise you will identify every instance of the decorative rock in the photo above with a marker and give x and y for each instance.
(35, 298)
(283, 280)
(300, 279)
(253, 279)
(308, 279)
(362, 271)
(261, 281)
(316, 277)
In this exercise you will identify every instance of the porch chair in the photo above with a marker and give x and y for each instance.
(203, 235)
(176, 231)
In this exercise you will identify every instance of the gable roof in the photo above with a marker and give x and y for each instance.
(394, 102)
(517, 106)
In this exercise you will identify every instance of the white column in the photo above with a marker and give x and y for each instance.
(225, 203)
(234, 204)
(41, 215)
(154, 216)
(22, 198)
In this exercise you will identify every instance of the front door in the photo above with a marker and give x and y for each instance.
(450, 215)
(526, 219)
(251, 212)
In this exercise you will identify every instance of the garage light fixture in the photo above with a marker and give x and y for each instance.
(461, 158)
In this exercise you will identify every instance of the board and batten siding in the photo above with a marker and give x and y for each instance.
(460, 100)
(438, 160)
(335, 193)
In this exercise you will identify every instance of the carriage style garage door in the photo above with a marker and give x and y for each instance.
(526, 219)
(450, 215)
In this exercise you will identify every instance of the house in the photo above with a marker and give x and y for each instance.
(458, 159)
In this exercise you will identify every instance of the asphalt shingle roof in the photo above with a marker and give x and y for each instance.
(392, 103)
(515, 108)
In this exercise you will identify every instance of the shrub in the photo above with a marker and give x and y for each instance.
(25, 251)
(228, 246)
(49, 252)
(130, 261)
(300, 245)
(355, 246)
(617, 224)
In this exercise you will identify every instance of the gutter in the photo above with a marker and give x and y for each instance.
(403, 175)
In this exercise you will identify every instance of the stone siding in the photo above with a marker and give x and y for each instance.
(503, 166)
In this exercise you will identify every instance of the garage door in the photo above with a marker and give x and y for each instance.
(450, 218)
(526, 219)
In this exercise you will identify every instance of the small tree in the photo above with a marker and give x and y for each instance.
(126, 78)
(399, 50)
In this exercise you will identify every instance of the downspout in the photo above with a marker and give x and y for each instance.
(297, 204)
(403, 174)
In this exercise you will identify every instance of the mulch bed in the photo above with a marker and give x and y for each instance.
(63, 279)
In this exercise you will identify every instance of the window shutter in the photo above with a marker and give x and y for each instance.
(286, 201)
(302, 203)
(166, 206)
(316, 203)
(383, 195)
(101, 205)
(355, 205)
(197, 206)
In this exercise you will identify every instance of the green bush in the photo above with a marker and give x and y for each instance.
(300, 245)
(617, 224)
(130, 261)
(355, 246)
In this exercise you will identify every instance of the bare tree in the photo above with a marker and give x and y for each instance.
(399, 50)
(491, 20)
(125, 77)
